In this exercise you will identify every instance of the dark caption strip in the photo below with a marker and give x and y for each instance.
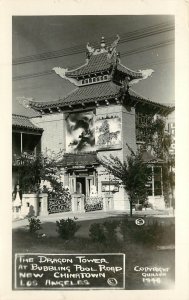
(62, 271)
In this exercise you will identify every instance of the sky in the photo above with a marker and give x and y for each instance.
(146, 42)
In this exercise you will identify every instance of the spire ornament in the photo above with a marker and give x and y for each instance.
(115, 43)
(112, 49)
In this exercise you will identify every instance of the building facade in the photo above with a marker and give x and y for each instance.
(100, 117)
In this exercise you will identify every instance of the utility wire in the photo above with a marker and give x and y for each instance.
(33, 75)
(127, 53)
(149, 47)
(156, 63)
(130, 36)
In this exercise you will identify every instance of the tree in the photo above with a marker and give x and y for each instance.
(132, 173)
(39, 169)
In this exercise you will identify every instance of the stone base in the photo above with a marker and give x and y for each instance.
(34, 205)
(78, 203)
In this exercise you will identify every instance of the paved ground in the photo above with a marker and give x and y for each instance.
(94, 216)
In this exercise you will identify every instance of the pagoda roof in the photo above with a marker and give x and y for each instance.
(98, 92)
(84, 94)
(129, 72)
(141, 99)
(23, 122)
(101, 62)
(97, 63)
(79, 159)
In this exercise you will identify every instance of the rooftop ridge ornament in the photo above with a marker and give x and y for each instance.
(102, 44)
(90, 50)
(115, 43)
(112, 49)
(62, 73)
(145, 74)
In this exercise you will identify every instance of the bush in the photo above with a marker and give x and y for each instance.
(66, 228)
(110, 230)
(34, 225)
(104, 233)
(96, 233)
(149, 234)
(155, 234)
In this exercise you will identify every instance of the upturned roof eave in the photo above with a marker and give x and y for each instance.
(129, 72)
(87, 100)
(142, 100)
(113, 90)
(67, 101)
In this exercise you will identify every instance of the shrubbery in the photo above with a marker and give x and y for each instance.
(40, 173)
(34, 225)
(149, 234)
(154, 234)
(96, 233)
(110, 230)
(104, 233)
(66, 228)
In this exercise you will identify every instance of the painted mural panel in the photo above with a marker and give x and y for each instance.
(80, 132)
(108, 132)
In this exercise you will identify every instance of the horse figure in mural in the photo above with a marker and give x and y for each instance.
(107, 138)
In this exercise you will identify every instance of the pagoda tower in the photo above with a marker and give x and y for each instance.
(98, 118)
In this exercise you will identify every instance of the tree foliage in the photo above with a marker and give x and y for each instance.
(132, 173)
(160, 141)
(41, 173)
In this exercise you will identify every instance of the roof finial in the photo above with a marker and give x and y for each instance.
(114, 44)
(102, 44)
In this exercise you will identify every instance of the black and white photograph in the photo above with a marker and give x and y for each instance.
(95, 104)
(93, 152)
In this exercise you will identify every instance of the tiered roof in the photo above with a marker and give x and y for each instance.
(100, 80)
(84, 94)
